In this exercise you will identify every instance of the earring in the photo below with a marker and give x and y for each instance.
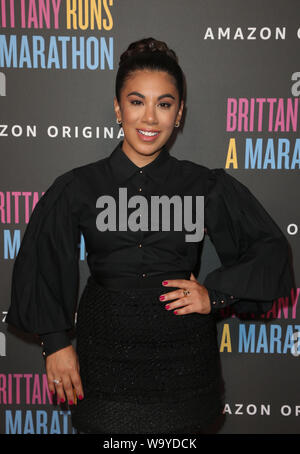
(119, 121)
(177, 124)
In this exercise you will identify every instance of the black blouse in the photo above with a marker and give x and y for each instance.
(255, 267)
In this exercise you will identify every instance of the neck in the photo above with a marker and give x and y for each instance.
(139, 159)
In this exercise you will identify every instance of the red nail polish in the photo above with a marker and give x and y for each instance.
(161, 297)
(70, 402)
(62, 400)
(167, 306)
(80, 397)
(175, 312)
(165, 282)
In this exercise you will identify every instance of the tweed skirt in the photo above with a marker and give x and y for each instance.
(144, 369)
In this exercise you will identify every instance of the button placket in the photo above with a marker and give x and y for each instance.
(141, 175)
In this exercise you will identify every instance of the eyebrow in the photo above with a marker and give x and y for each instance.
(166, 95)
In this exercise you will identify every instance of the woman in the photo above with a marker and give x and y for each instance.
(147, 358)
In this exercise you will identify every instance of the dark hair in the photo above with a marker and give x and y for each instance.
(150, 54)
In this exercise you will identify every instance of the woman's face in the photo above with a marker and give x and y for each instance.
(149, 108)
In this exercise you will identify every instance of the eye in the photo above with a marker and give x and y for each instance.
(165, 105)
(136, 102)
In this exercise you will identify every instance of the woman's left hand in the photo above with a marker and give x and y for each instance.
(197, 301)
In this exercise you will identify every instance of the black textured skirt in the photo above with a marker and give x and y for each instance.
(144, 369)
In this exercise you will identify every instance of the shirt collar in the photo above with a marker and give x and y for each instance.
(123, 168)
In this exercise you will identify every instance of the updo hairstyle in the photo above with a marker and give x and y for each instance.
(149, 54)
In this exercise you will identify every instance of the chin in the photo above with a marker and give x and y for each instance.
(149, 149)
(145, 147)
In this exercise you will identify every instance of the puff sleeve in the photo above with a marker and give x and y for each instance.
(255, 263)
(45, 274)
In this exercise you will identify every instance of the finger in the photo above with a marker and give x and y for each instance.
(61, 398)
(51, 384)
(182, 302)
(77, 385)
(53, 388)
(180, 283)
(68, 388)
(187, 309)
(192, 277)
(171, 295)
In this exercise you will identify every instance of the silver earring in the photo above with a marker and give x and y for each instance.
(177, 124)
(119, 121)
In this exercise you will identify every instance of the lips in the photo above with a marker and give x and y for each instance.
(148, 135)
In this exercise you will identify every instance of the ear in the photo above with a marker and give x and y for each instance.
(117, 109)
(180, 111)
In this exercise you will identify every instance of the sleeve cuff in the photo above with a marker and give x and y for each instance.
(52, 342)
(219, 300)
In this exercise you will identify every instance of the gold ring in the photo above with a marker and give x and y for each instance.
(186, 292)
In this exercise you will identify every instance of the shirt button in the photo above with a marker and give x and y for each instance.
(222, 301)
(141, 171)
(214, 302)
(140, 189)
(144, 275)
(140, 245)
(231, 296)
(44, 353)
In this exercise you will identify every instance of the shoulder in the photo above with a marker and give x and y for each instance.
(214, 180)
(66, 188)
(75, 177)
(90, 168)
(189, 167)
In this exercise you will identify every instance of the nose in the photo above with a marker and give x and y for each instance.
(150, 114)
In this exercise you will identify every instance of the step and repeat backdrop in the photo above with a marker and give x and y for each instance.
(58, 62)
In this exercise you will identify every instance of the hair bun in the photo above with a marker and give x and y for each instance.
(147, 45)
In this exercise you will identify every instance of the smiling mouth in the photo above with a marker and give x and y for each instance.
(148, 133)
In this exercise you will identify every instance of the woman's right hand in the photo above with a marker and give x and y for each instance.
(64, 365)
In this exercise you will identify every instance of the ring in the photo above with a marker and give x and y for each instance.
(56, 381)
(186, 292)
